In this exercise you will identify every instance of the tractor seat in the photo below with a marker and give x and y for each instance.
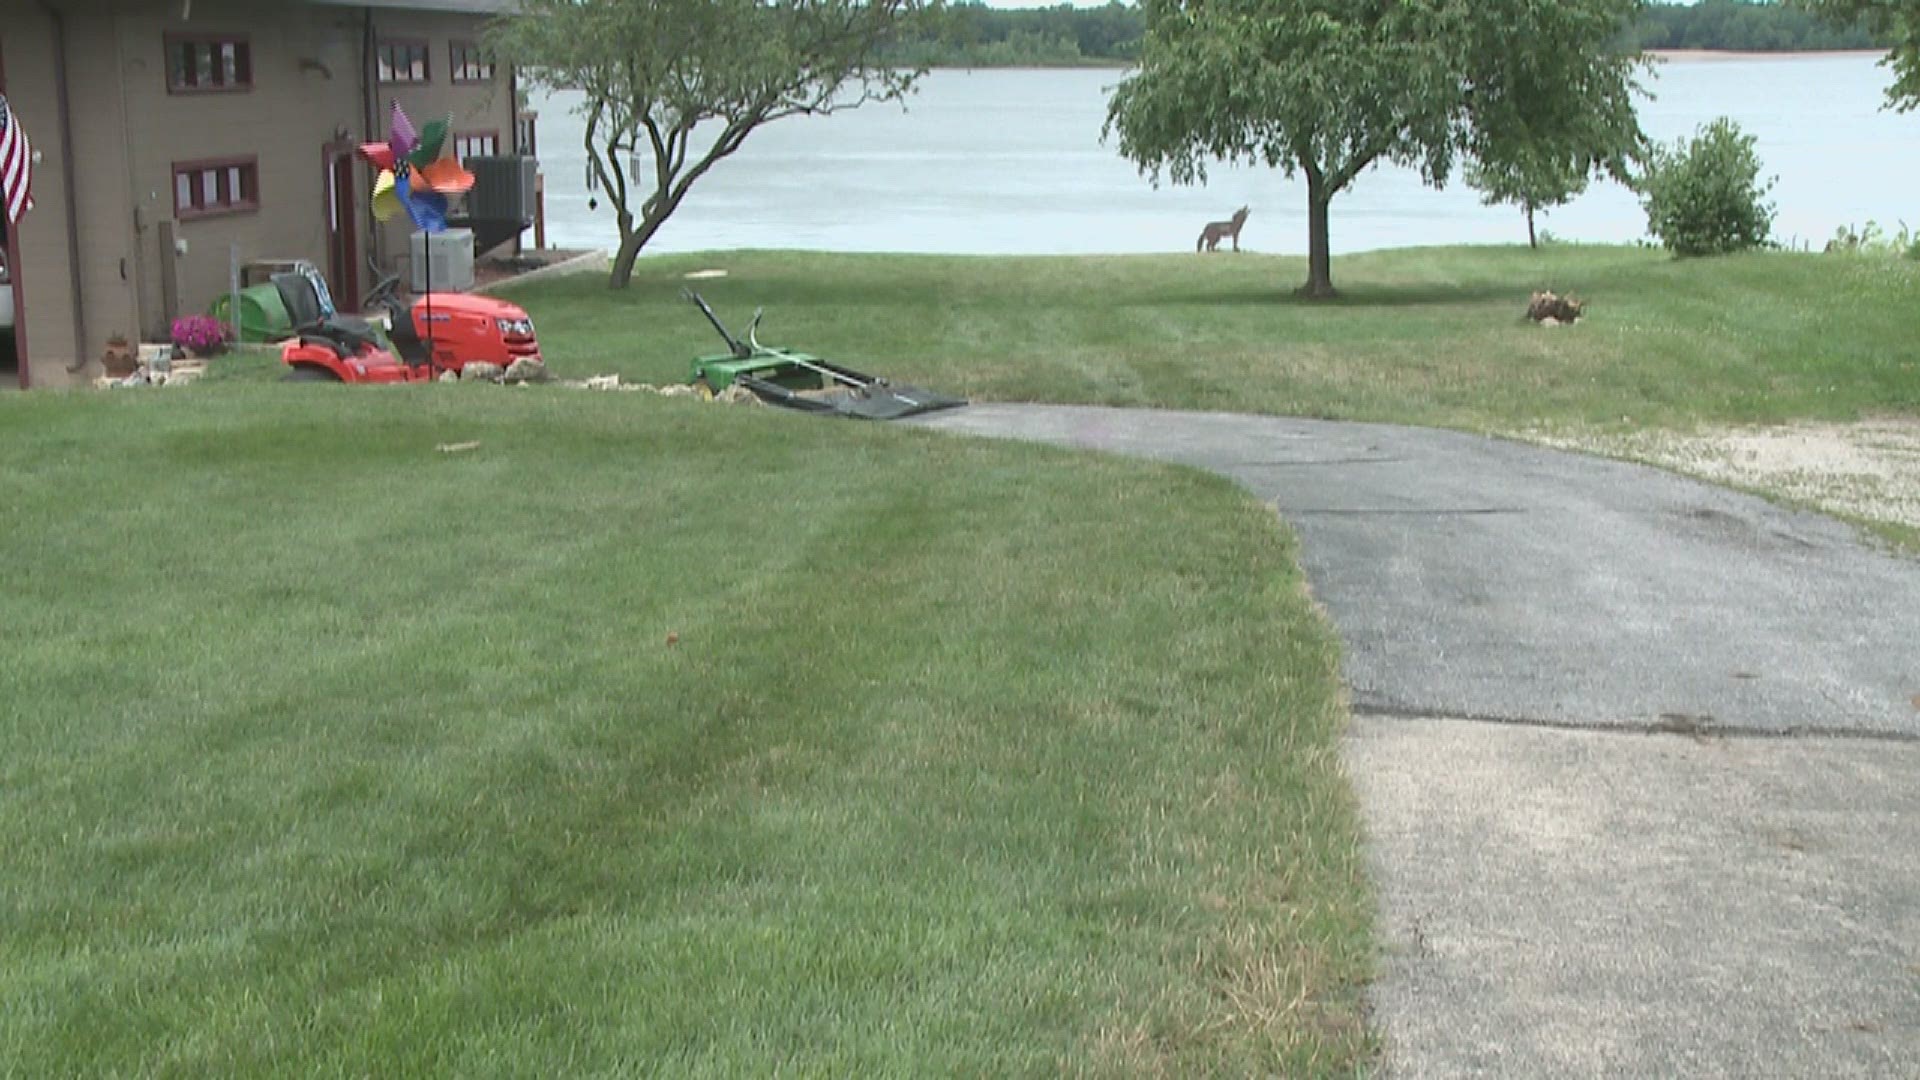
(346, 334)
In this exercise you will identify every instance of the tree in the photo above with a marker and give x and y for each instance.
(1897, 20)
(1531, 181)
(1329, 88)
(1545, 123)
(675, 86)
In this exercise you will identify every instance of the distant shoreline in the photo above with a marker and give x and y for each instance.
(1713, 56)
(1037, 65)
(1678, 56)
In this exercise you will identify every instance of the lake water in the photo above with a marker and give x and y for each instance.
(1011, 162)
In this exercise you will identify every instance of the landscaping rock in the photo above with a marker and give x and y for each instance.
(480, 370)
(527, 370)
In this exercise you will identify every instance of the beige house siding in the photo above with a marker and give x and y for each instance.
(109, 262)
(305, 89)
(474, 107)
(311, 76)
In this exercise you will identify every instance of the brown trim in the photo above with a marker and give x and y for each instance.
(69, 169)
(231, 203)
(370, 105)
(340, 217)
(425, 46)
(455, 62)
(526, 133)
(522, 121)
(243, 61)
(212, 162)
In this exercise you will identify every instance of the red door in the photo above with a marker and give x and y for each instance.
(343, 242)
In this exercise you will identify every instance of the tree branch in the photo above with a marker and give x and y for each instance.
(1341, 177)
(594, 118)
(606, 166)
(657, 70)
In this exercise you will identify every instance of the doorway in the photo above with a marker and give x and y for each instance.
(343, 244)
(13, 353)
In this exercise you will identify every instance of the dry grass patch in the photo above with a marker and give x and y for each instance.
(1868, 471)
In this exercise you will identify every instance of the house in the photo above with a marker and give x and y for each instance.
(175, 137)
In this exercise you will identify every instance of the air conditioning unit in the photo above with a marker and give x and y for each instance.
(449, 256)
(503, 188)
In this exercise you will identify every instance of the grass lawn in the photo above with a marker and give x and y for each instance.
(651, 736)
(654, 737)
(1424, 336)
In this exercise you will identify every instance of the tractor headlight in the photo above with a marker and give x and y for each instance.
(515, 327)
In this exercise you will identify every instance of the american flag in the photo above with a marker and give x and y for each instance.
(16, 166)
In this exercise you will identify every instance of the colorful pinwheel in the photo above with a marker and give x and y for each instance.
(417, 171)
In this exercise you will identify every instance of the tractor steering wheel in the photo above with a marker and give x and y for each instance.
(384, 294)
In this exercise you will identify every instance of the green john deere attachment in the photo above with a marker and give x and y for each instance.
(798, 380)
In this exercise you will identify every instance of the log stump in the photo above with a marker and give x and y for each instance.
(1547, 308)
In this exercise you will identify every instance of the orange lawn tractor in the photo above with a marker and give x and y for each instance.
(409, 342)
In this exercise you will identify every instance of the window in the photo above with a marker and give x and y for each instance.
(469, 63)
(222, 186)
(403, 61)
(477, 144)
(208, 64)
(524, 134)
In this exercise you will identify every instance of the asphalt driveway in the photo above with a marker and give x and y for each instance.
(1639, 757)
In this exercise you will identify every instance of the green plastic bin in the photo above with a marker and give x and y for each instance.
(262, 316)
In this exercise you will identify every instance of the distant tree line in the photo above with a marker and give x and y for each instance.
(1745, 26)
(973, 35)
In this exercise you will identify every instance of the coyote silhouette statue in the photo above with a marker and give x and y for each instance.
(1211, 236)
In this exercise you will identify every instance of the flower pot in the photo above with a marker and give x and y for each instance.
(120, 360)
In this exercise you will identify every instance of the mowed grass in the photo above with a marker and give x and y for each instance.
(649, 737)
(1424, 336)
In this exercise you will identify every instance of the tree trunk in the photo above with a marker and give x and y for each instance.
(623, 261)
(631, 241)
(1531, 241)
(1319, 284)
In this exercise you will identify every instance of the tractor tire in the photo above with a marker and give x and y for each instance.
(309, 373)
(704, 387)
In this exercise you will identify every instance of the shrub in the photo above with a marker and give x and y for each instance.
(1704, 195)
(1871, 239)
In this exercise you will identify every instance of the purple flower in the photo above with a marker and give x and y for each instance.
(199, 333)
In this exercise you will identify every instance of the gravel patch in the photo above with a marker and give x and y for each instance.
(1869, 469)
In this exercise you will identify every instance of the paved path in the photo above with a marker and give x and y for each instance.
(1639, 757)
